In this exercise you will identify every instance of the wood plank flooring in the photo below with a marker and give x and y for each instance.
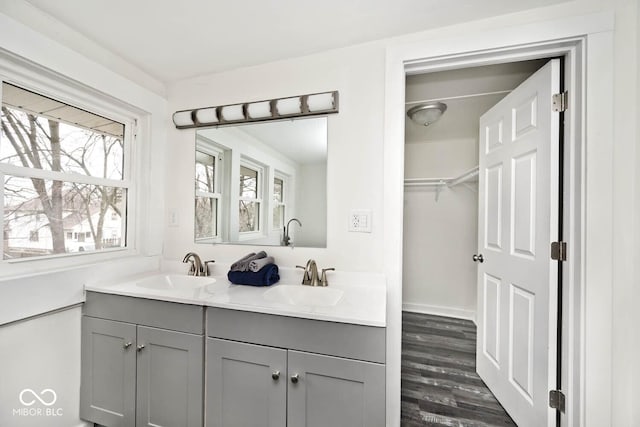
(440, 386)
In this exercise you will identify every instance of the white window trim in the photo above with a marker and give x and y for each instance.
(46, 83)
(218, 185)
(259, 233)
(285, 187)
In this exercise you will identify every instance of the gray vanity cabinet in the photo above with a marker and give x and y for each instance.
(246, 385)
(142, 362)
(267, 370)
(108, 390)
(332, 391)
(169, 378)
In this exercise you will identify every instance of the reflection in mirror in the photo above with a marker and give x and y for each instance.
(262, 183)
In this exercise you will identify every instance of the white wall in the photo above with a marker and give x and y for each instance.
(440, 236)
(38, 354)
(626, 278)
(311, 207)
(354, 178)
(45, 352)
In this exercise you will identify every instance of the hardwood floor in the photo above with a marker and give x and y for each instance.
(440, 386)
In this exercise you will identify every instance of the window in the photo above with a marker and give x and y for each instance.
(250, 197)
(62, 169)
(278, 202)
(208, 194)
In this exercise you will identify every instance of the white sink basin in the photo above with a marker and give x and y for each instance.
(174, 281)
(304, 295)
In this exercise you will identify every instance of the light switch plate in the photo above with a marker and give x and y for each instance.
(173, 219)
(360, 221)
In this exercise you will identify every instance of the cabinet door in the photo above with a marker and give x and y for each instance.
(108, 385)
(170, 378)
(331, 391)
(246, 385)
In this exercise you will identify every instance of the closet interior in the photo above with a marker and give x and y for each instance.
(441, 184)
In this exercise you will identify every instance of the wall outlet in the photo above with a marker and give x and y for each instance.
(360, 221)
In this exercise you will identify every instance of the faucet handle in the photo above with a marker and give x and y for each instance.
(323, 280)
(305, 277)
(192, 268)
(205, 267)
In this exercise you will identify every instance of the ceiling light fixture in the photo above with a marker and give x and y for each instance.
(427, 113)
(274, 109)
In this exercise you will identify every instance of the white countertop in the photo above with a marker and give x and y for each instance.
(362, 296)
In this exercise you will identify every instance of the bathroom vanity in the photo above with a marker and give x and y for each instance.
(141, 362)
(285, 355)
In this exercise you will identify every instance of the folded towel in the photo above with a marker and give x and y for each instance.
(243, 263)
(257, 264)
(235, 265)
(267, 275)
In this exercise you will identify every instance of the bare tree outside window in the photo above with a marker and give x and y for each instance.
(42, 134)
(206, 202)
(249, 213)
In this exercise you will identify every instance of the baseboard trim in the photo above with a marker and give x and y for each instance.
(436, 310)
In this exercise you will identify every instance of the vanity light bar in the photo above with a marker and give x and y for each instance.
(293, 106)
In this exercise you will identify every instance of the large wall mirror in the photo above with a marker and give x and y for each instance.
(262, 183)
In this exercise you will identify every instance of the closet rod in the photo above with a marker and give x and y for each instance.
(473, 95)
(441, 182)
(467, 176)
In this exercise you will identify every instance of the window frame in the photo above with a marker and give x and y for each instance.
(285, 186)
(48, 84)
(218, 183)
(261, 173)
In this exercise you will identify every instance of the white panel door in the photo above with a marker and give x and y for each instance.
(517, 281)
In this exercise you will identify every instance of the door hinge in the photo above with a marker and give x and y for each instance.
(557, 400)
(559, 251)
(559, 101)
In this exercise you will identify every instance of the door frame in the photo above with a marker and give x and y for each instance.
(585, 43)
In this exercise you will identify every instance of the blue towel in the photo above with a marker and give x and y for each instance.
(267, 275)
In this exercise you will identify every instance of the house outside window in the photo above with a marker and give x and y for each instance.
(63, 169)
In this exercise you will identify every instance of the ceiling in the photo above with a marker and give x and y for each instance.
(303, 140)
(32, 103)
(174, 40)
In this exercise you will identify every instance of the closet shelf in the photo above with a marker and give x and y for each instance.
(439, 183)
(468, 176)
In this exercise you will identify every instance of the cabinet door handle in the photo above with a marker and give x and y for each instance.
(127, 344)
(275, 375)
(140, 347)
(295, 378)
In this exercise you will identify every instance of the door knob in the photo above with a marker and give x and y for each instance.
(127, 344)
(295, 378)
(140, 347)
(275, 375)
(478, 258)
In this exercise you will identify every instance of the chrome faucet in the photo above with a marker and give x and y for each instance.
(198, 268)
(286, 239)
